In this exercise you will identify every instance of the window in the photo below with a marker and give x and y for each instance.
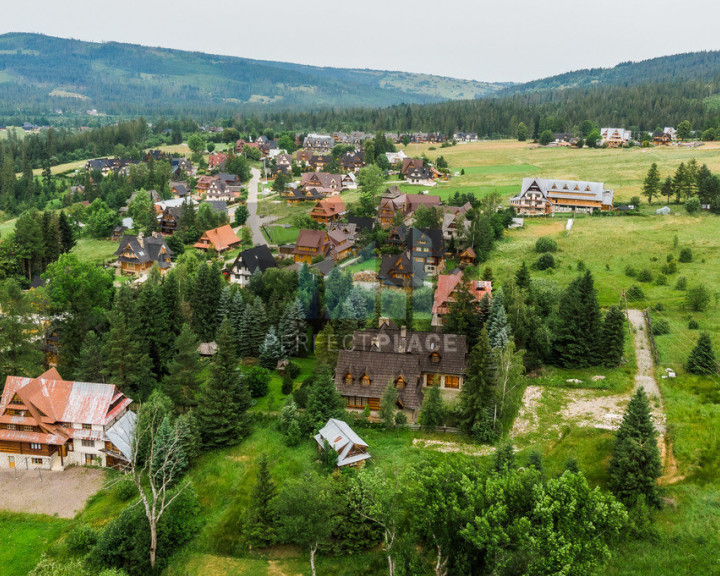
(348, 379)
(452, 382)
(400, 382)
(433, 379)
(365, 380)
(89, 459)
(37, 460)
(88, 443)
(435, 358)
(34, 446)
(28, 428)
(11, 427)
(87, 427)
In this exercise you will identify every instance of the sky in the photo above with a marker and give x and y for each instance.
(494, 41)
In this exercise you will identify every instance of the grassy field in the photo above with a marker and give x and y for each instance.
(92, 250)
(280, 235)
(25, 538)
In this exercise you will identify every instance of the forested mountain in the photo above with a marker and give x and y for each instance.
(42, 72)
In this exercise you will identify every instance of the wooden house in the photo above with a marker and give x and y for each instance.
(331, 183)
(328, 210)
(180, 190)
(221, 239)
(118, 233)
(137, 254)
(250, 261)
(319, 161)
(539, 196)
(294, 195)
(448, 286)
(350, 448)
(203, 183)
(352, 161)
(467, 256)
(662, 139)
(615, 137)
(217, 160)
(427, 247)
(50, 423)
(311, 244)
(401, 271)
(219, 190)
(170, 220)
(411, 361)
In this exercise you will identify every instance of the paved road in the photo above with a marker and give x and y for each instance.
(254, 221)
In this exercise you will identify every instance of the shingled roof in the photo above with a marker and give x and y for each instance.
(145, 248)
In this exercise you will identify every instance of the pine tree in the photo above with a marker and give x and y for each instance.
(292, 328)
(324, 401)
(635, 465)
(613, 337)
(578, 341)
(462, 317)
(91, 361)
(225, 303)
(651, 185)
(261, 523)
(182, 382)
(702, 358)
(477, 396)
(271, 350)
(204, 300)
(432, 409)
(155, 330)
(388, 405)
(258, 326)
(67, 238)
(224, 398)
(170, 293)
(165, 454)
(667, 188)
(237, 308)
(522, 276)
(189, 434)
(497, 324)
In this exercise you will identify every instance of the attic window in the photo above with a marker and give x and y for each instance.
(554, 187)
(577, 187)
(435, 358)
(348, 379)
(565, 187)
(365, 380)
(400, 382)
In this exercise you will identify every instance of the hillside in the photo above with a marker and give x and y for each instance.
(115, 78)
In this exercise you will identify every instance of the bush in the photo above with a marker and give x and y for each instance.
(681, 283)
(635, 293)
(400, 419)
(81, 539)
(293, 369)
(660, 327)
(693, 325)
(645, 275)
(661, 280)
(670, 258)
(659, 307)
(692, 205)
(287, 383)
(686, 255)
(635, 201)
(669, 268)
(698, 298)
(125, 489)
(545, 244)
(630, 271)
(545, 262)
(257, 379)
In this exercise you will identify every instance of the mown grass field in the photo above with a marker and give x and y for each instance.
(25, 537)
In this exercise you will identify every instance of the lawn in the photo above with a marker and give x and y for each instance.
(274, 399)
(25, 538)
(91, 250)
(280, 235)
(7, 227)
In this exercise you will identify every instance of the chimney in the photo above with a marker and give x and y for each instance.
(403, 331)
(141, 239)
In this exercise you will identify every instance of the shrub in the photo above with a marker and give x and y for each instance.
(692, 205)
(635, 293)
(630, 271)
(293, 369)
(545, 261)
(661, 280)
(660, 327)
(257, 379)
(581, 266)
(81, 539)
(669, 268)
(686, 255)
(400, 419)
(670, 258)
(545, 244)
(659, 307)
(697, 298)
(635, 201)
(693, 325)
(681, 283)
(645, 275)
(287, 383)
(125, 489)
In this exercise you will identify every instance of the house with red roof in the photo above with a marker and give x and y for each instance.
(217, 160)
(310, 244)
(448, 286)
(328, 210)
(221, 239)
(50, 423)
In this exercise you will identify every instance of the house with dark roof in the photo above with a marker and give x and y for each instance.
(180, 189)
(250, 261)
(295, 194)
(361, 224)
(137, 254)
(319, 142)
(427, 247)
(221, 239)
(410, 361)
(448, 287)
(540, 196)
(352, 161)
(219, 190)
(401, 271)
(49, 423)
(170, 220)
(311, 244)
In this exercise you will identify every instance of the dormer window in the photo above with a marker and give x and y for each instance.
(400, 382)
(435, 358)
(365, 380)
(348, 379)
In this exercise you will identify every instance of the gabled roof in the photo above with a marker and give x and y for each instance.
(342, 439)
(312, 238)
(146, 249)
(362, 224)
(448, 283)
(256, 258)
(221, 238)
(331, 206)
(401, 263)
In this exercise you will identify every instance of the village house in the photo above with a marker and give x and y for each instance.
(329, 184)
(539, 196)
(662, 139)
(328, 210)
(217, 160)
(295, 194)
(137, 254)
(350, 448)
(467, 257)
(283, 164)
(615, 137)
(401, 271)
(453, 220)
(179, 189)
(342, 243)
(396, 157)
(670, 131)
(319, 142)
(448, 286)
(411, 163)
(311, 244)
(352, 161)
(410, 361)
(248, 262)
(303, 155)
(49, 423)
(319, 161)
(118, 233)
(221, 239)
(465, 137)
(427, 247)
(204, 182)
(170, 220)
(180, 165)
(218, 190)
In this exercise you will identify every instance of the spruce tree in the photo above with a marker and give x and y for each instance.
(522, 276)
(155, 329)
(271, 350)
(182, 382)
(170, 294)
(635, 465)
(189, 434)
(224, 398)
(67, 237)
(237, 308)
(462, 317)
(165, 455)
(258, 326)
(613, 337)
(225, 303)
(388, 405)
(651, 185)
(324, 401)
(244, 339)
(91, 361)
(578, 341)
(702, 358)
(261, 523)
(497, 325)
(127, 365)
(292, 328)
(326, 346)
(477, 396)
(204, 300)
(432, 409)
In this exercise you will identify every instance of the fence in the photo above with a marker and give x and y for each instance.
(651, 336)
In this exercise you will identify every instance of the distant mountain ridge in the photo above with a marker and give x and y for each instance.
(119, 78)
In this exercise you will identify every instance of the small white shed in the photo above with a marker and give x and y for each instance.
(351, 449)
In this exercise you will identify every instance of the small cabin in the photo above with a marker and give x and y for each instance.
(351, 449)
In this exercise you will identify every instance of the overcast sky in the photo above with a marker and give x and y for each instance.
(502, 40)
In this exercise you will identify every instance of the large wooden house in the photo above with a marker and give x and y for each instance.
(615, 137)
(311, 244)
(328, 210)
(539, 196)
(50, 423)
(427, 247)
(328, 184)
(170, 220)
(401, 271)
(250, 261)
(221, 239)
(411, 361)
(137, 254)
(448, 286)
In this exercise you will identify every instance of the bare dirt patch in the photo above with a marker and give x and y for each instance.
(453, 447)
(587, 408)
(61, 494)
(527, 419)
